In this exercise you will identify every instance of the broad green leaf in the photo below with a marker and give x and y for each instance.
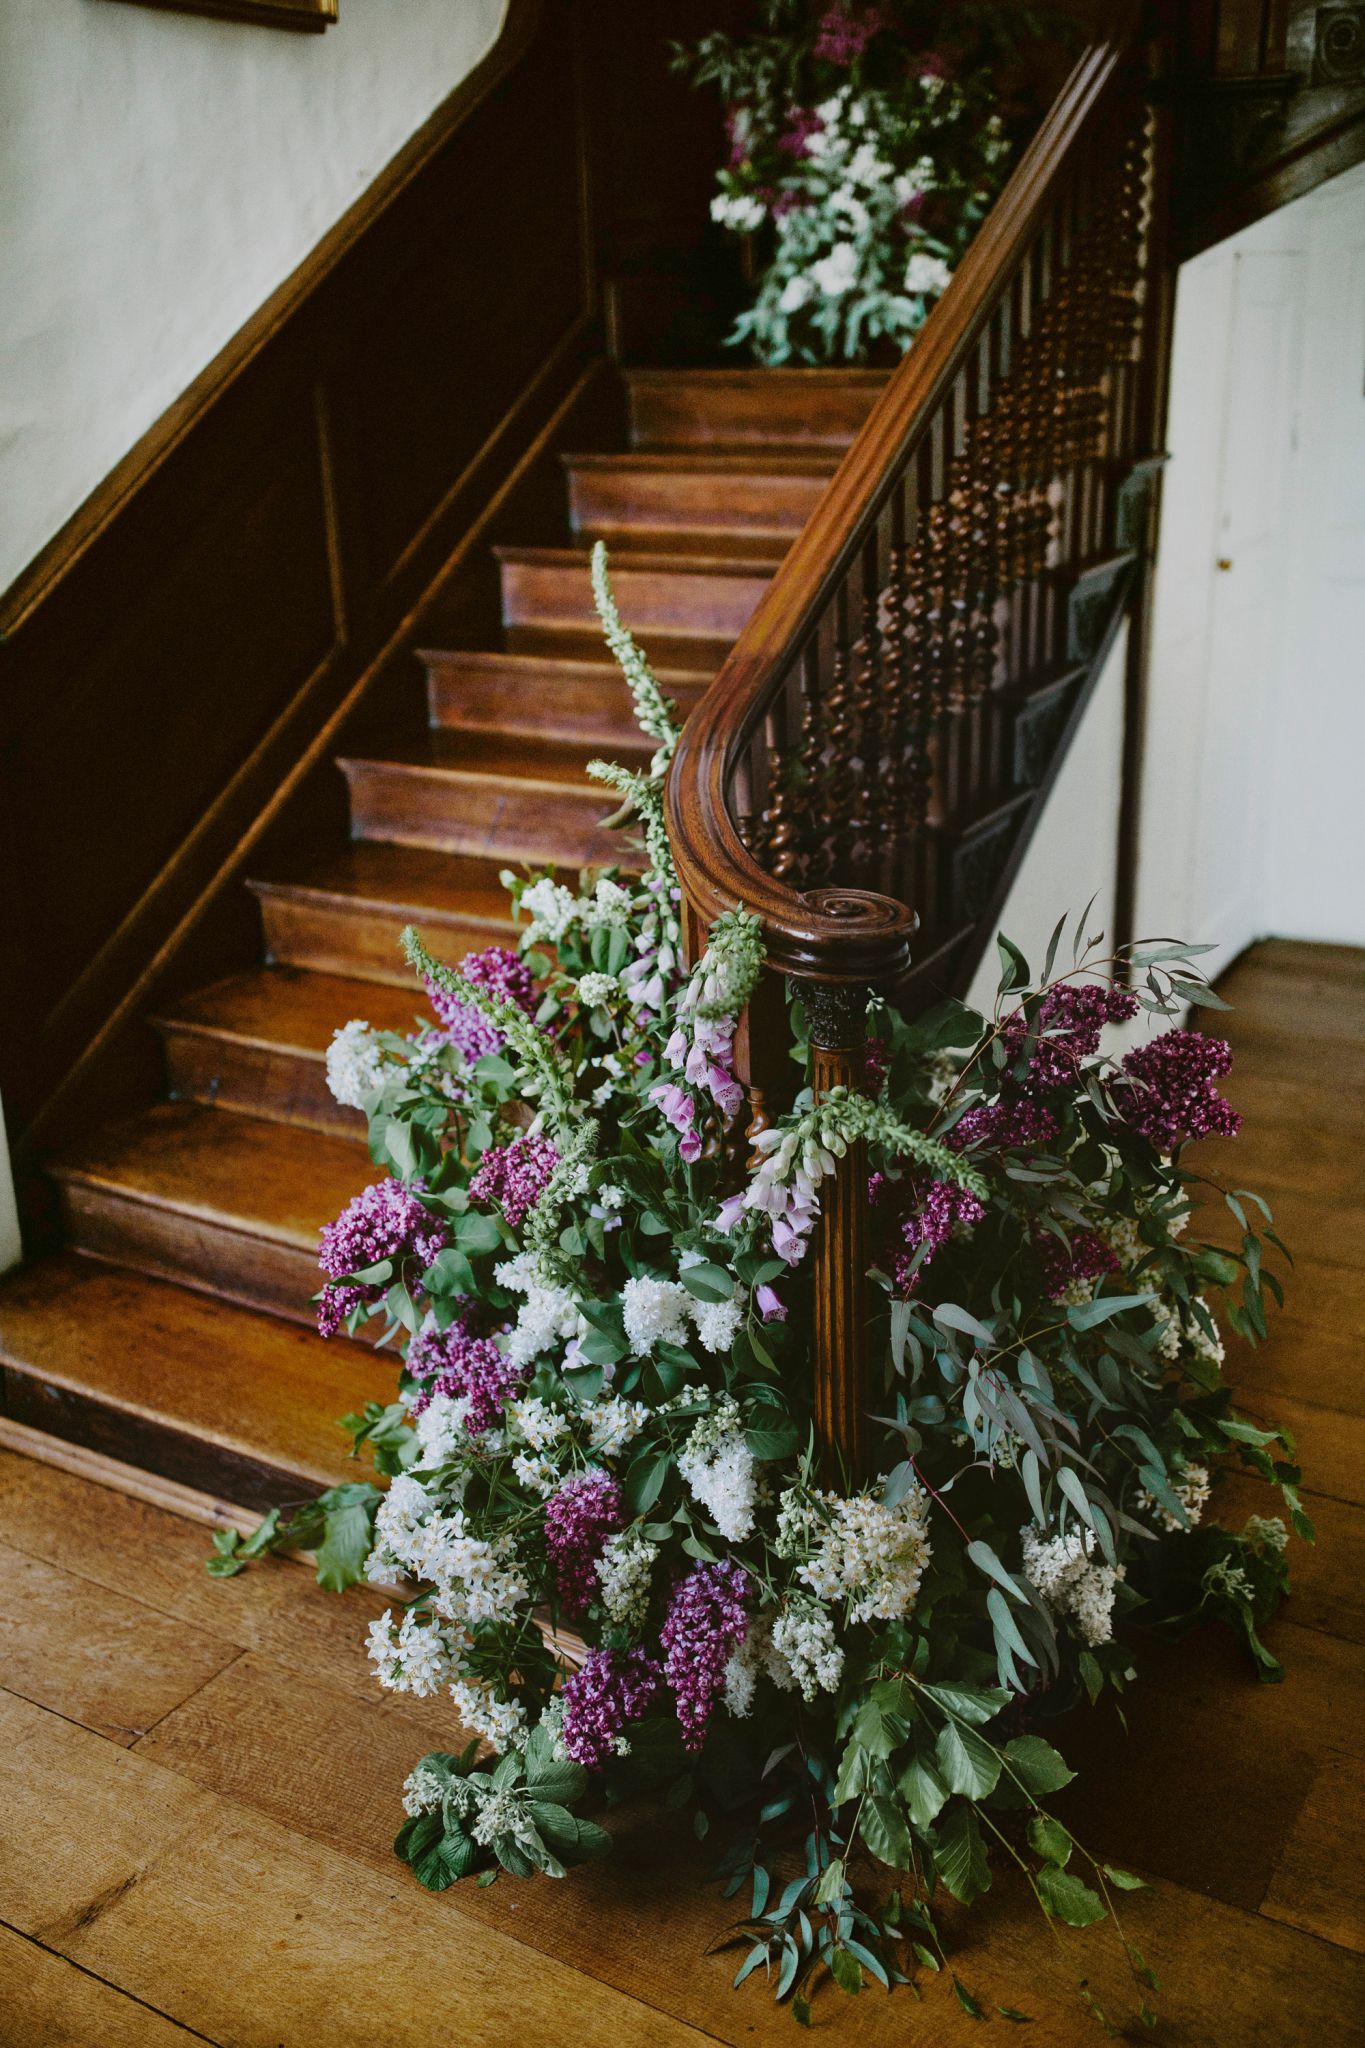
(1124, 1879)
(846, 1971)
(922, 1793)
(1037, 1765)
(1049, 1839)
(966, 1762)
(975, 1703)
(1086, 1315)
(882, 1826)
(707, 1283)
(1066, 1898)
(960, 1856)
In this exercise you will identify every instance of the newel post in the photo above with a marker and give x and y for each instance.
(835, 1015)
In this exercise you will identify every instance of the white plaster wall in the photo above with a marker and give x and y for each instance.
(1074, 852)
(160, 175)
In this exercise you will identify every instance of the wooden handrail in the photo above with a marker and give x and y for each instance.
(850, 934)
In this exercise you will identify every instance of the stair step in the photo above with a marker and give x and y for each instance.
(228, 1204)
(660, 590)
(344, 914)
(257, 1042)
(701, 493)
(518, 800)
(545, 696)
(732, 407)
(241, 1406)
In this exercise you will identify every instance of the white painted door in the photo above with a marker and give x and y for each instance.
(1245, 574)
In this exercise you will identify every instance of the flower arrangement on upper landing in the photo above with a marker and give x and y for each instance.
(606, 1531)
(866, 143)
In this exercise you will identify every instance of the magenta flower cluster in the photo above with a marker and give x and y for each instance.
(939, 1208)
(1068, 1021)
(843, 35)
(1169, 1096)
(1012, 1124)
(514, 1177)
(579, 1517)
(384, 1221)
(1087, 1257)
(461, 1363)
(706, 1621)
(614, 1688)
(502, 974)
(802, 123)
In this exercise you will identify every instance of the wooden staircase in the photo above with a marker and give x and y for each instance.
(173, 1333)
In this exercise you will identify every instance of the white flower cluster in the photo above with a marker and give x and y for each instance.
(655, 1312)
(739, 211)
(552, 909)
(1072, 1583)
(441, 1431)
(486, 1714)
(355, 1064)
(717, 1467)
(1191, 1486)
(750, 1660)
(547, 1317)
(614, 1423)
(423, 1792)
(1266, 1532)
(858, 1550)
(410, 1656)
(472, 1580)
(595, 990)
(803, 1636)
(624, 1569)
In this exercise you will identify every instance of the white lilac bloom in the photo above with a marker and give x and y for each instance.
(355, 1064)
(803, 1636)
(1064, 1570)
(537, 1472)
(1190, 1485)
(441, 1430)
(740, 211)
(756, 1657)
(412, 1656)
(796, 292)
(423, 1792)
(594, 990)
(614, 1423)
(536, 1423)
(485, 1713)
(624, 1569)
(927, 274)
(552, 909)
(547, 1317)
(472, 1579)
(609, 909)
(655, 1311)
(860, 1551)
(837, 273)
(717, 1467)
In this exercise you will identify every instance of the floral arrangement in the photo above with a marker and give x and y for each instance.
(866, 143)
(608, 1529)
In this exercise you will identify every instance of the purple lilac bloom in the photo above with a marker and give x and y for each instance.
(802, 123)
(1020, 1125)
(459, 1362)
(940, 1208)
(501, 973)
(706, 1620)
(613, 1689)
(876, 1060)
(1068, 1021)
(1170, 1096)
(843, 36)
(384, 1221)
(579, 1517)
(514, 1177)
(1087, 1258)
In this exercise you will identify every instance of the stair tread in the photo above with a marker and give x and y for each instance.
(246, 1173)
(757, 377)
(657, 550)
(445, 750)
(260, 1388)
(716, 458)
(414, 880)
(681, 653)
(290, 1007)
(687, 672)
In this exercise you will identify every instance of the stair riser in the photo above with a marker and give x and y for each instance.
(713, 410)
(592, 708)
(287, 1085)
(360, 940)
(255, 1272)
(651, 600)
(471, 814)
(690, 501)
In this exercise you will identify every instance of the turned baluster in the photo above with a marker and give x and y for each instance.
(836, 1019)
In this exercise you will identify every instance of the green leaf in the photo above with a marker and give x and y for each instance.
(801, 2010)
(922, 1793)
(1124, 1879)
(771, 1440)
(475, 1233)
(966, 2001)
(846, 1971)
(349, 1534)
(1066, 1898)
(873, 1732)
(975, 1703)
(707, 1283)
(960, 1856)
(1014, 968)
(882, 1826)
(1049, 1839)
(855, 1773)
(1037, 1765)
(1086, 1315)
(831, 1885)
(966, 1761)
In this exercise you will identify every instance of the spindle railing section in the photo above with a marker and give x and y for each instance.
(867, 766)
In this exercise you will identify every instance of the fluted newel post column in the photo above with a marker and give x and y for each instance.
(835, 1015)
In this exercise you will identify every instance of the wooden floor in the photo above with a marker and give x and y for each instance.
(199, 1783)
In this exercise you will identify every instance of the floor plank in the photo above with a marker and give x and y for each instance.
(112, 1861)
(46, 2000)
(1319, 1880)
(94, 1656)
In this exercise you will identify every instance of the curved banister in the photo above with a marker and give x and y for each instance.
(848, 934)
